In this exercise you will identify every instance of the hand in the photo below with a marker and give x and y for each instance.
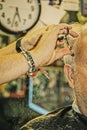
(46, 52)
(30, 40)
(59, 53)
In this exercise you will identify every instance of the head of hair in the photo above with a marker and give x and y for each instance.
(79, 46)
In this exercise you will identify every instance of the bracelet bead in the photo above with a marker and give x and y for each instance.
(32, 69)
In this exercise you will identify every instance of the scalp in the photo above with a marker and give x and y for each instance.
(80, 47)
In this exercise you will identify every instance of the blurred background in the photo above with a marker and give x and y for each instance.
(24, 98)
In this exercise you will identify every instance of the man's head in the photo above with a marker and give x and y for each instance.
(76, 70)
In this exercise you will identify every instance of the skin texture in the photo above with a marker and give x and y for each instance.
(43, 51)
(77, 74)
(75, 69)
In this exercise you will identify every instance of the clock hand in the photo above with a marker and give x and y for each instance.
(16, 14)
(13, 20)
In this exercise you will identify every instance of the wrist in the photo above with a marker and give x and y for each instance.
(21, 44)
(38, 58)
(32, 71)
(35, 58)
(24, 44)
(18, 45)
(32, 68)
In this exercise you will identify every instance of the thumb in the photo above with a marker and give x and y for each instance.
(57, 54)
(29, 43)
(34, 40)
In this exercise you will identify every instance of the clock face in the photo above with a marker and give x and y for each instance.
(19, 15)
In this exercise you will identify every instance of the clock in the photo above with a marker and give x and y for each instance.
(18, 16)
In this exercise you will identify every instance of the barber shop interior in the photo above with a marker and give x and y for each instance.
(26, 98)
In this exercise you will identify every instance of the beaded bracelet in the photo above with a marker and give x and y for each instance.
(32, 69)
(18, 45)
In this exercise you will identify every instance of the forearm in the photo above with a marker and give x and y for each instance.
(8, 49)
(12, 67)
(28, 42)
(15, 65)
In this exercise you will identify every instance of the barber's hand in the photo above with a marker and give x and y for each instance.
(30, 40)
(60, 52)
(46, 52)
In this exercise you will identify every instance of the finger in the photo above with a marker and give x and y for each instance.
(35, 39)
(63, 30)
(73, 34)
(50, 35)
(36, 31)
(59, 42)
(49, 27)
(31, 43)
(60, 53)
(64, 26)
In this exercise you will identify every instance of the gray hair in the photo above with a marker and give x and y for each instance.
(68, 59)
